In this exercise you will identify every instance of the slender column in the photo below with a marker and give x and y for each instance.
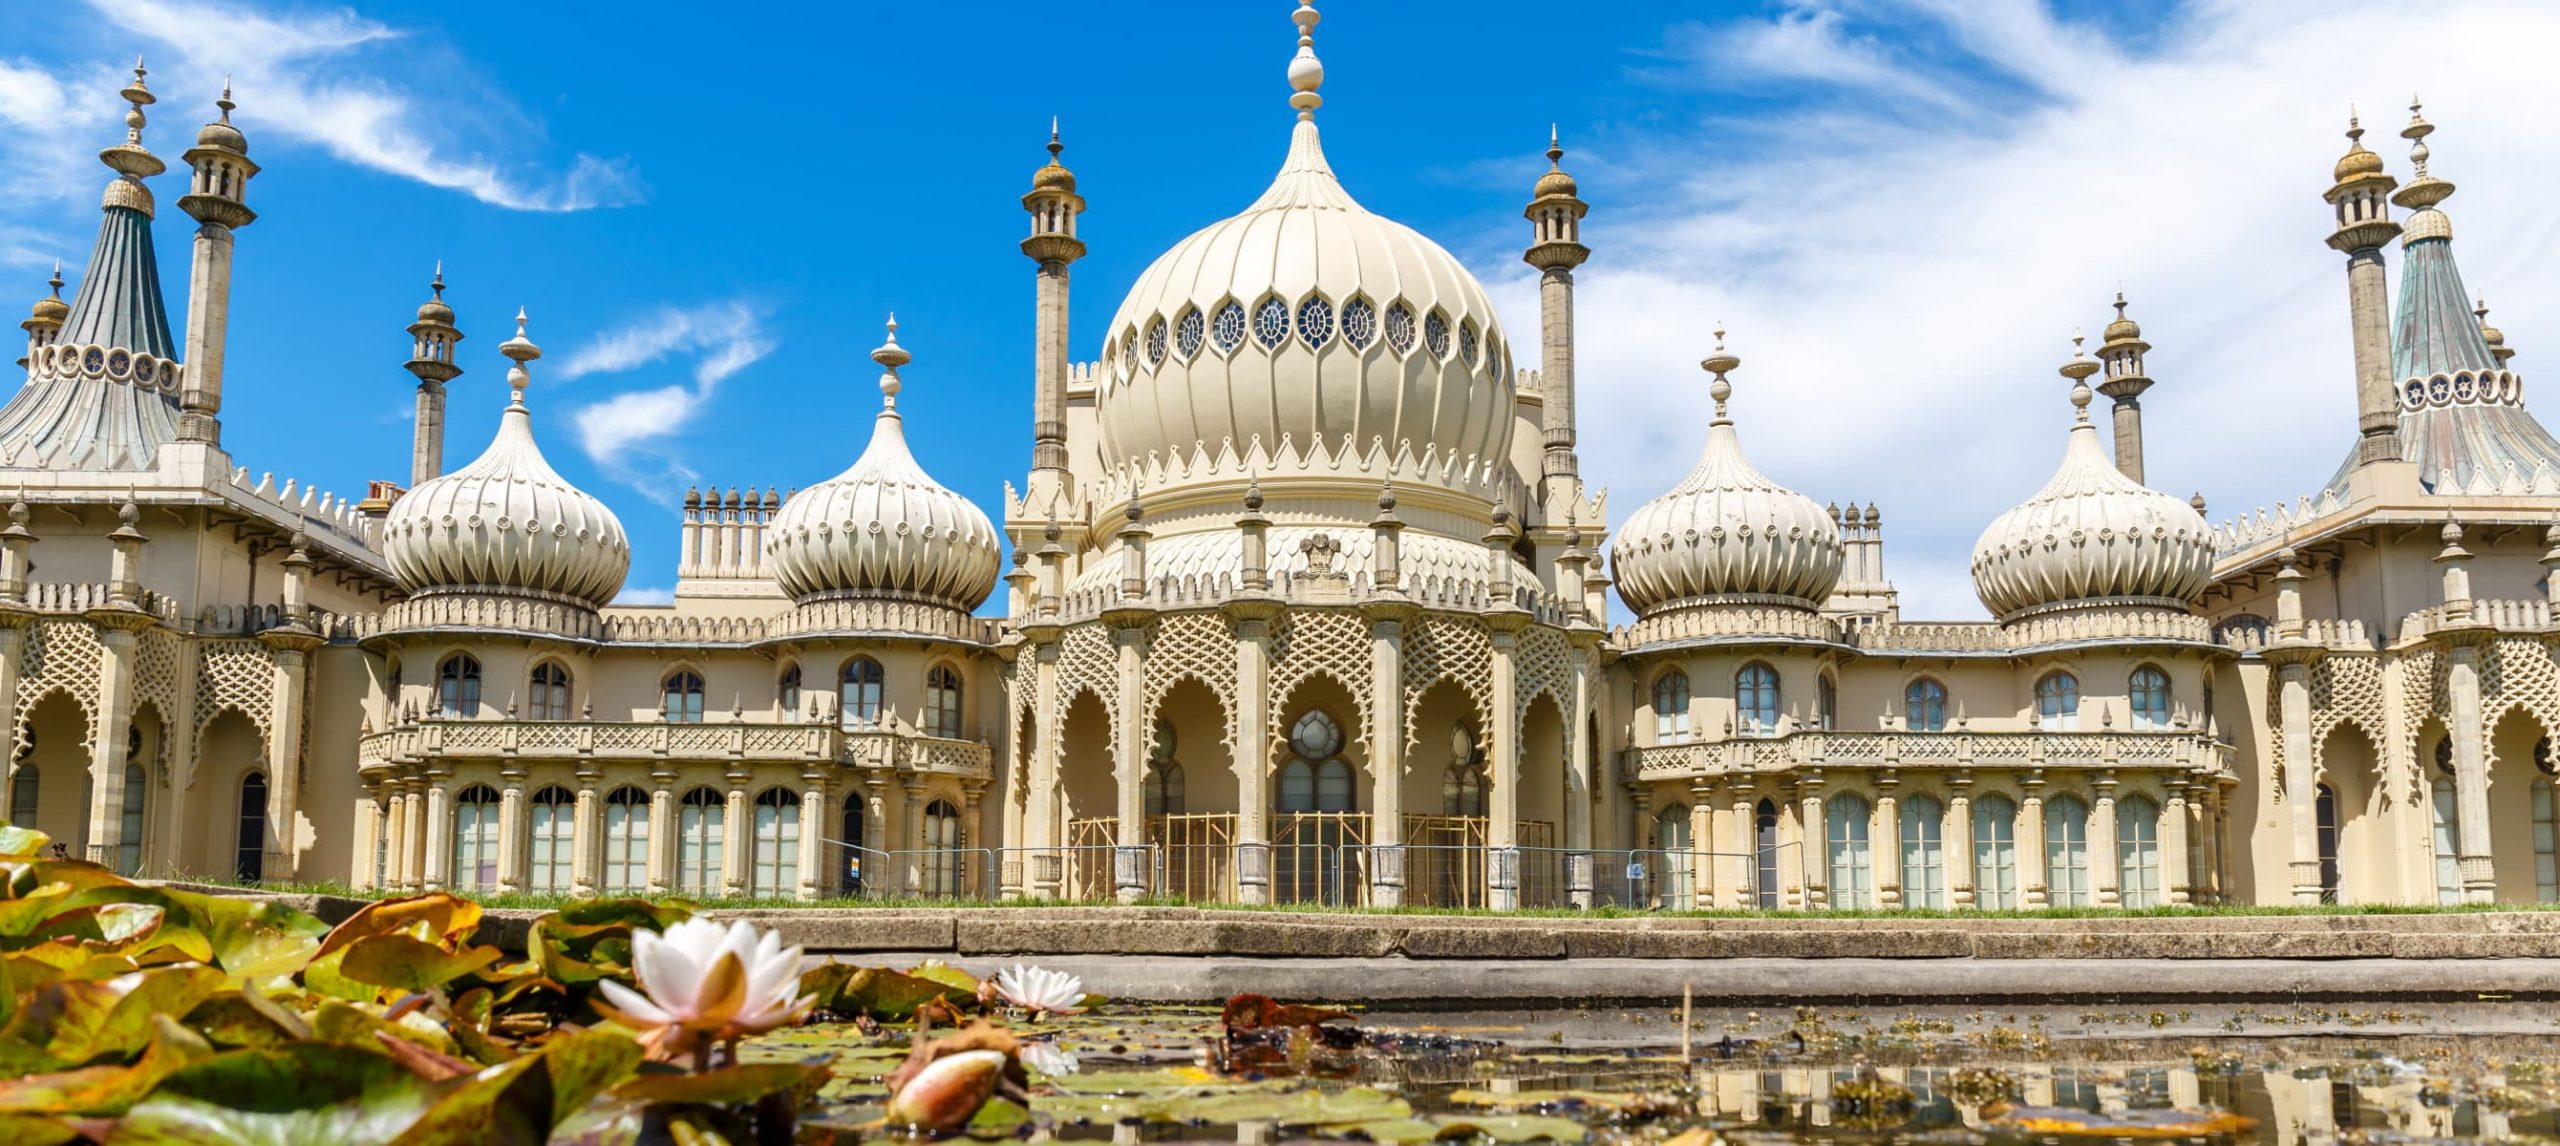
(414, 858)
(1042, 831)
(1014, 771)
(2031, 873)
(1129, 756)
(1744, 862)
(2174, 874)
(2293, 707)
(13, 655)
(1502, 831)
(514, 842)
(1703, 843)
(911, 833)
(438, 829)
(884, 830)
(426, 445)
(1888, 835)
(662, 831)
(2364, 225)
(813, 804)
(1252, 621)
(292, 669)
(1811, 830)
(586, 854)
(971, 882)
(1578, 779)
(106, 749)
(1386, 752)
(2470, 767)
(208, 317)
(395, 830)
(1960, 838)
(2109, 867)
(368, 836)
(737, 838)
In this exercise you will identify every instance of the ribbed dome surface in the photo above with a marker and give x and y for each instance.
(1726, 531)
(2092, 534)
(1305, 316)
(507, 523)
(884, 528)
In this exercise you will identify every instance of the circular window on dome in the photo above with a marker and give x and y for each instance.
(1435, 334)
(1400, 327)
(1155, 342)
(95, 361)
(1359, 323)
(1229, 331)
(1270, 322)
(1467, 342)
(1187, 333)
(118, 363)
(1315, 321)
(1129, 351)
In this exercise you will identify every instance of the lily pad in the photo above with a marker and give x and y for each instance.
(405, 964)
(304, 1094)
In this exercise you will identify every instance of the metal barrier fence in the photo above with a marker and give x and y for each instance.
(1667, 879)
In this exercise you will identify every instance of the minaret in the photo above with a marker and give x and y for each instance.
(2121, 358)
(1053, 205)
(1555, 247)
(2361, 197)
(44, 322)
(220, 160)
(431, 359)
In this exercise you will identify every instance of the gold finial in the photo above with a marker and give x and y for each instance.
(891, 356)
(2119, 304)
(437, 284)
(2416, 133)
(1306, 72)
(2078, 371)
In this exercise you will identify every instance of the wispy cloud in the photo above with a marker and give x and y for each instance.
(632, 596)
(1900, 283)
(720, 339)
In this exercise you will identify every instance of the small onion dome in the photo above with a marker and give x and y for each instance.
(434, 309)
(507, 523)
(1726, 531)
(2091, 535)
(2357, 162)
(1555, 181)
(1054, 176)
(2496, 338)
(2123, 329)
(52, 310)
(884, 527)
(220, 133)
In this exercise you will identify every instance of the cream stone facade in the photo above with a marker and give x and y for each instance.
(1302, 598)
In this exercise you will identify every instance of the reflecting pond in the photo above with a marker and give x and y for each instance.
(2268, 1073)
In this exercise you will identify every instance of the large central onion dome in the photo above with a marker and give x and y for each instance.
(1726, 534)
(884, 528)
(1305, 317)
(507, 523)
(2091, 536)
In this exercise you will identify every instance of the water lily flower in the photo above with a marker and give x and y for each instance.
(1041, 991)
(705, 982)
(1050, 1059)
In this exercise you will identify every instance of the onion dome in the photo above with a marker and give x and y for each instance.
(1555, 181)
(51, 310)
(1726, 534)
(434, 309)
(2124, 328)
(1305, 317)
(884, 528)
(507, 524)
(220, 133)
(1054, 176)
(2091, 536)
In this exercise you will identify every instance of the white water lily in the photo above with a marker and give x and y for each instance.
(1050, 1059)
(704, 982)
(1040, 990)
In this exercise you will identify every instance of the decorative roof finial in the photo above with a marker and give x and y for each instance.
(56, 281)
(1055, 148)
(2424, 190)
(2119, 304)
(2078, 371)
(891, 356)
(519, 350)
(1306, 72)
(1718, 364)
(139, 95)
(1555, 150)
(225, 102)
(438, 284)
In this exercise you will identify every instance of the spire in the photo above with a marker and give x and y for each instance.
(1054, 207)
(2435, 331)
(1306, 72)
(431, 341)
(1720, 363)
(891, 356)
(2078, 371)
(132, 162)
(519, 350)
(2360, 198)
(2496, 338)
(2121, 357)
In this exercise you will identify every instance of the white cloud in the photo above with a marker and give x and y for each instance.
(631, 596)
(1901, 286)
(721, 338)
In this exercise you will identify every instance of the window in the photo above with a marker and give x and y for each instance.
(2149, 690)
(1675, 870)
(2448, 819)
(458, 686)
(776, 871)
(1400, 327)
(1755, 700)
(1995, 853)
(701, 836)
(2058, 701)
(1924, 853)
(1187, 333)
(1229, 331)
(1359, 323)
(1764, 844)
(2546, 832)
(2066, 852)
(1155, 342)
(1435, 334)
(942, 855)
(249, 848)
(1318, 786)
(1164, 787)
(626, 840)
(1467, 342)
(23, 790)
(1671, 707)
(942, 702)
(475, 839)
(554, 836)
(858, 692)
(1270, 323)
(1851, 869)
(1462, 784)
(129, 846)
(680, 699)
(789, 690)
(1315, 736)
(2138, 852)
(1826, 701)
(2444, 754)
(849, 847)
(2325, 815)
(1315, 321)
(1924, 706)
(550, 691)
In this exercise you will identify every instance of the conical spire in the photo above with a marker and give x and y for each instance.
(2435, 332)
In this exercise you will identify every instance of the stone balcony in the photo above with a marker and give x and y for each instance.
(731, 743)
(2182, 750)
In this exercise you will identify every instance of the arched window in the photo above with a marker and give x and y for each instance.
(2546, 833)
(2066, 852)
(1924, 706)
(1164, 784)
(858, 692)
(249, 847)
(849, 846)
(1675, 864)
(2058, 701)
(2325, 815)
(458, 686)
(1755, 700)
(701, 837)
(2149, 690)
(554, 838)
(776, 872)
(550, 691)
(626, 840)
(680, 698)
(24, 787)
(788, 689)
(475, 839)
(129, 851)
(2138, 852)
(1462, 784)
(1826, 695)
(1995, 853)
(1852, 868)
(1316, 793)
(1924, 852)
(1764, 845)
(2444, 754)
(942, 702)
(1671, 707)
(942, 857)
(2448, 819)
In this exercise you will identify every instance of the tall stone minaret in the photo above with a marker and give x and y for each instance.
(220, 180)
(1555, 247)
(2121, 357)
(1053, 205)
(44, 321)
(431, 359)
(2361, 195)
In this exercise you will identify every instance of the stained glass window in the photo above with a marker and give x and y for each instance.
(1230, 328)
(1400, 327)
(1186, 334)
(1155, 342)
(1271, 322)
(1435, 334)
(1315, 321)
(1359, 323)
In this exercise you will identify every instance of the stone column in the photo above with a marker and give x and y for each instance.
(1814, 832)
(1502, 829)
(1252, 622)
(438, 829)
(2031, 874)
(208, 316)
(13, 655)
(1129, 858)
(911, 833)
(1042, 833)
(1960, 838)
(414, 861)
(813, 852)
(514, 841)
(2470, 765)
(2174, 877)
(738, 838)
(2106, 867)
(2293, 709)
(1578, 765)
(290, 649)
(586, 856)
(368, 836)
(971, 882)
(884, 833)
(395, 833)
(106, 748)
(1702, 844)
(1888, 837)
(1386, 736)
(662, 831)
(1742, 827)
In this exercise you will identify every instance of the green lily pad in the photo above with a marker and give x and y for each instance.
(107, 1089)
(405, 964)
(734, 1084)
(878, 992)
(71, 1023)
(511, 1102)
(304, 1094)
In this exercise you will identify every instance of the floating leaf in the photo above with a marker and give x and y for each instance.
(937, 971)
(511, 1102)
(71, 1023)
(733, 1084)
(887, 995)
(405, 964)
(105, 1089)
(306, 1094)
(584, 1063)
(16, 841)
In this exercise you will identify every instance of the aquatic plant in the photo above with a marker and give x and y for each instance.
(704, 982)
(1040, 991)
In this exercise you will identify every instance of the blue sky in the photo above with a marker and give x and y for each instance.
(1901, 209)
